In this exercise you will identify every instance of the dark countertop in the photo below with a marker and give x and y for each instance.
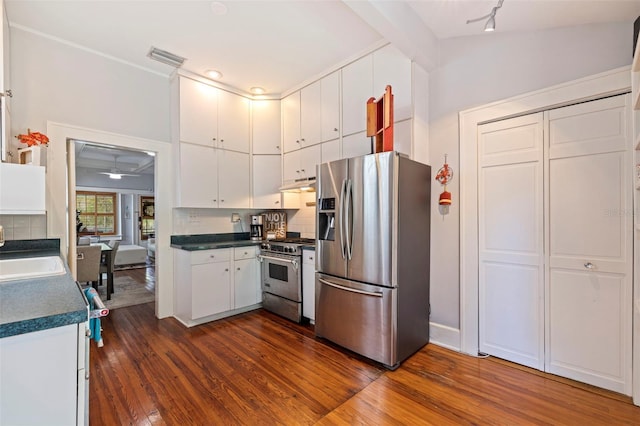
(218, 241)
(36, 304)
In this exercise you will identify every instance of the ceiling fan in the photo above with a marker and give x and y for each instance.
(116, 173)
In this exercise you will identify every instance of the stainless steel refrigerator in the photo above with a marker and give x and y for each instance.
(372, 255)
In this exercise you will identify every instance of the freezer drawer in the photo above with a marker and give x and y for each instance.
(358, 317)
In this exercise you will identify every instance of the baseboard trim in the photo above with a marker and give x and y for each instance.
(445, 336)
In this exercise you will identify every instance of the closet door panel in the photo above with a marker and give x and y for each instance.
(510, 195)
(589, 290)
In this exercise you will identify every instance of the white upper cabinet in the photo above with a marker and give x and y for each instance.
(234, 187)
(356, 145)
(391, 67)
(301, 164)
(212, 178)
(198, 184)
(266, 127)
(330, 151)
(22, 189)
(267, 178)
(233, 122)
(330, 107)
(213, 117)
(357, 88)
(310, 110)
(198, 112)
(291, 122)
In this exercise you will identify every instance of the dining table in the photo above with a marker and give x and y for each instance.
(107, 252)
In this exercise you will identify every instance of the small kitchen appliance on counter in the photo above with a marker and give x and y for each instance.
(257, 227)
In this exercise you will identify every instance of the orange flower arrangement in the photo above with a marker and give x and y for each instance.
(33, 138)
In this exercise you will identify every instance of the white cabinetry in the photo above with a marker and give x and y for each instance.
(213, 178)
(309, 284)
(233, 122)
(234, 188)
(357, 88)
(301, 164)
(391, 67)
(310, 108)
(267, 178)
(356, 145)
(367, 77)
(213, 117)
(5, 82)
(210, 282)
(14, 180)
(330, 151)
(266, 127)
(203, 283)
(330, 107)
(198, 112)
(291, 122)
(213, 284)
(246, 277)
(42, 377)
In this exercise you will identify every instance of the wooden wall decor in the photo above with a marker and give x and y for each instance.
(380, 121)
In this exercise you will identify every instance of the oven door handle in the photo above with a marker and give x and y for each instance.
(278, 259)
(352, 290)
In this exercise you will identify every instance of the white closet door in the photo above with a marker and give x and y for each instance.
(510, 190)
(589, 290)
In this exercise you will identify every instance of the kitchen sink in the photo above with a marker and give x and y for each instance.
(30, 267)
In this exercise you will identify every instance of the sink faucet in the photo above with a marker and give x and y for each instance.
(1, 236)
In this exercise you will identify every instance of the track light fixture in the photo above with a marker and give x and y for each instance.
(491, 22)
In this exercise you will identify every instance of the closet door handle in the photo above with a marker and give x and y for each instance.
(589, 265)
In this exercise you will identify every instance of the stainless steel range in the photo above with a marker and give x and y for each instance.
(282, 276)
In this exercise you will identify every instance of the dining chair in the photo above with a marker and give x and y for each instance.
(88, 264)
(107, 267)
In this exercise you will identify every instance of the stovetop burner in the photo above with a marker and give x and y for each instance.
(290, 246)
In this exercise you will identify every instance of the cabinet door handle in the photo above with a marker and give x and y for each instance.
(215, 201)
(335, 129)
(277, 146)
(277, 202)
(213, 139)
(298, 141)
(226, 269)
(222, 201)
(302, 139)
(221, 140)
(238, 269)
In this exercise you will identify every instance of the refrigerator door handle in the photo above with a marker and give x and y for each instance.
(349, 218)
(341, 219)
(352, 290)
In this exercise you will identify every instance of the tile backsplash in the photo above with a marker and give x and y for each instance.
(24, 227)
(303, 220)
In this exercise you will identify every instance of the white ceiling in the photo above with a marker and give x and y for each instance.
(100, 158)
(281, 44)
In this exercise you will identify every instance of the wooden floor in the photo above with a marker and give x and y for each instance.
(260, 369)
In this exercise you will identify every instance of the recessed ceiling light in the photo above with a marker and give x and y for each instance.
(257, 90)
(218, 8)
(214, 74)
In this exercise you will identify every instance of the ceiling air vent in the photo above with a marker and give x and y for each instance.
(165, 57)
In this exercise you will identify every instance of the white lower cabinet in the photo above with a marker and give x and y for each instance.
(309, 284)
(213, 284)
(42, 377)
(246, 278)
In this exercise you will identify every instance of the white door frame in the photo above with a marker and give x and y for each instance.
(604, 84)
(61, 181)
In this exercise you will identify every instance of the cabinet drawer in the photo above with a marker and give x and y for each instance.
(248, 252)
(210, 256)
(309, 257)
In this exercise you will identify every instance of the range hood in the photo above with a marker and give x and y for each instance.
(300, 185)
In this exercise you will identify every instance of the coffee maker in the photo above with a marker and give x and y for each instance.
(256, 227)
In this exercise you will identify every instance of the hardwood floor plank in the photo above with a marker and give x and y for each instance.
(260, 369)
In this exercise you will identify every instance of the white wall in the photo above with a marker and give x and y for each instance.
(56, 82)
(480, 69)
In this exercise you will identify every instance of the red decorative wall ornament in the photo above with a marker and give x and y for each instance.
(444, 176)
(33, 138)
